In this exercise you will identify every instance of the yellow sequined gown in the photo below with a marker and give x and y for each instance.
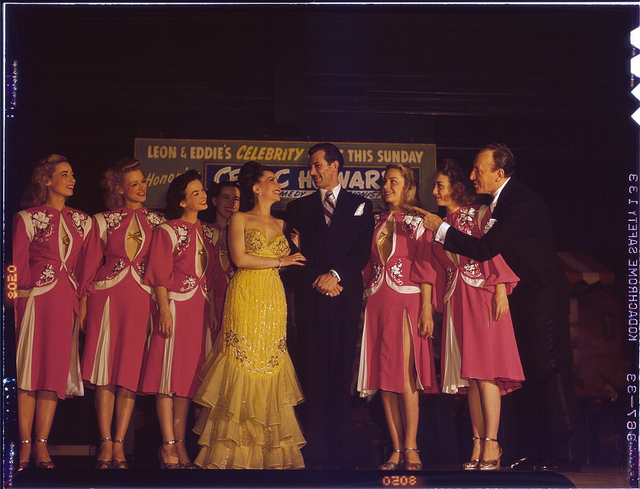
(249, 386)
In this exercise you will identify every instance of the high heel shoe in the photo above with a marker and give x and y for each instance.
(44, 464)
(392, 465)
(103, 464)
(163, 464)
(23, 465)
(119, 464)
(411, 465)
(472, 464)
(491, 464)
(186, 465)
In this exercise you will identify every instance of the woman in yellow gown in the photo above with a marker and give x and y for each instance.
(249, 386)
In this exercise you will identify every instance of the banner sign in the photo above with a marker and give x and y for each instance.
(218, 160)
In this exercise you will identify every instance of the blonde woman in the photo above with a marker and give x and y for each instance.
(396, 355)
(47, 239)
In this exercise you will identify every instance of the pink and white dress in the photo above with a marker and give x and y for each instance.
(46, 246)
(475, 345)
(221, 268)
(178, 261)
(392, 294)
(119, 304)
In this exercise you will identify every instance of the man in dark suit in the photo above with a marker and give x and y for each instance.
(521, 232)
(335, 228)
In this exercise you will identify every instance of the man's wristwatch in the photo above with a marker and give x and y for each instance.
(335, 274)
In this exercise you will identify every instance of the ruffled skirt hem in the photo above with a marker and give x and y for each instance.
(248, 422)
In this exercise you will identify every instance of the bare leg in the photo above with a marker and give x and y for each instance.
(180, 413)
(477, 420)
(491, 404)
(164, 408)
(26, 413)
(410, 397)
(125, 402)
(104, 402)
(391, 407)
(46, 403)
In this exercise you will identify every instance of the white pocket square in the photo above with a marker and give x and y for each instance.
(360, 210)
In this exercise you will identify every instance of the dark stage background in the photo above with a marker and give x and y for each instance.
(553, 83)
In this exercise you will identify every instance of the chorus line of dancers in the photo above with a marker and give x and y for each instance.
(190, 311)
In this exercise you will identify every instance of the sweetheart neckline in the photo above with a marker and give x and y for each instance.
(269, 241)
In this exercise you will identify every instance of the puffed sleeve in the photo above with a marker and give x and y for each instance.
(160, 266)
(422, 269)
(91, 259)
(496, 271)
(21, 243)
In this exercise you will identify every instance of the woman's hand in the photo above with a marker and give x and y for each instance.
(295, 259)
(500, 302)
(82, 313)
(425, 323)
(214, 324)
(166, 323)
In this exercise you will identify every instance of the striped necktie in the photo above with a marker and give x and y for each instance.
(328, 205)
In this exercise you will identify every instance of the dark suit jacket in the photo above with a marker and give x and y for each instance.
(343, 247)
(523, 235)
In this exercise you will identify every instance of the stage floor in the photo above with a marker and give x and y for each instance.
(443, 477)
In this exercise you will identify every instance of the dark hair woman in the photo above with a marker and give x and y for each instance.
(480, 356)
(180, 341)
(47, 239)
(251, 367)
(224, 197)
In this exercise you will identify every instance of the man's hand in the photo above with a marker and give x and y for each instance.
(327, 284)
(431, 221)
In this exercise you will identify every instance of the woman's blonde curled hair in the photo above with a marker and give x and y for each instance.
(410, 190)
(113, 179)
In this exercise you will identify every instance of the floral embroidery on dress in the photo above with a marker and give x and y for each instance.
(188, 284)
(141, 268)
(396, 272)
(208, 234)
(282, 346)
(377, 271)
(153, 218)
(182, 233)
(472, 269)
(47, 276)
(450, 275)
(376, 218)
(231, 339)
(465, 219)
(117, 268)
(411, 223)
(113, 219)
(41, 222)
(274, 361)
(79, 220)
